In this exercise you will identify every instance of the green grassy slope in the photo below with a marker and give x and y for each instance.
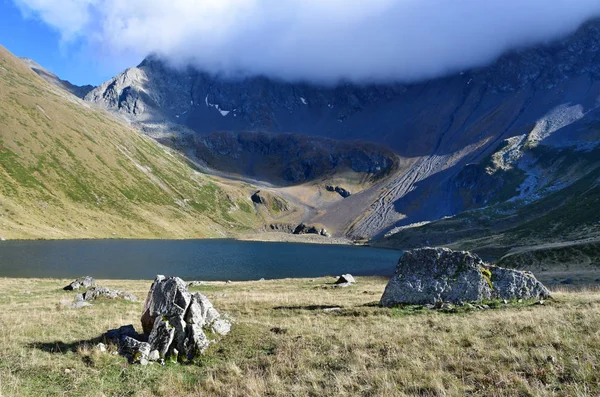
(69, 171)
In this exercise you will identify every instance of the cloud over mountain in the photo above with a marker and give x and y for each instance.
(316, 40)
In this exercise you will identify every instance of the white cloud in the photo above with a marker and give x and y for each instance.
(322, 40)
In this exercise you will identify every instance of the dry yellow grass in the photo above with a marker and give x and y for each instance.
(519, 350)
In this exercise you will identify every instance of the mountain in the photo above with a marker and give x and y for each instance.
(462, 142)
(78, 91)
(68, 170)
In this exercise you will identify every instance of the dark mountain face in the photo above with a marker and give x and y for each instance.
(548, 95)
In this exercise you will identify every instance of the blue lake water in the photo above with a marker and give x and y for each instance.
(189, 259)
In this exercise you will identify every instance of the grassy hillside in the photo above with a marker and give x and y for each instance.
(283, 344)
(70, 171)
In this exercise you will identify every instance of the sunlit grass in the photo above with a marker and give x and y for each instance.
(284, 344)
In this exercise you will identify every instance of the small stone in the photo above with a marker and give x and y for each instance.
(221, 327)
(262, 279)
(68, 371)
(228, 282)
(505, 301)
(101, 347)
(80, 305)
(345, 279)
(332, 309)
(154, 355)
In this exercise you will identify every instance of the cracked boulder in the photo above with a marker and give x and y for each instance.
(437, 275)
(179, 325)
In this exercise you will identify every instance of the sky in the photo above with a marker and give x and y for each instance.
(323, 41)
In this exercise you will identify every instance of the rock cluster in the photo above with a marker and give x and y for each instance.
(176, 323)
(93, 292)
(435, 275)
(83, 282)
(103, 292)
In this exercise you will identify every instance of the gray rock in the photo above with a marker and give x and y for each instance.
(345, 279)
(514, 284)
(138, 351)
(154, 355)
(195, 283)
(435, 275)
(181, 320)
(80, 305)
(221, 326)
(167, 297)
(257, 198)
(161, 336)
(324, 233)
(84, 282)
(103, 292)
(121, 332)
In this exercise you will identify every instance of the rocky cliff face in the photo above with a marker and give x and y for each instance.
(78, 91)
(466, 137)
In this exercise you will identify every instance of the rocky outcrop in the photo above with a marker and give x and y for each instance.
(288, 158)
(258, 199)
(177, 322)
(84, 282)
(434, 275)
(340, 190)
(306, 229)
(282, 227)
(78, 91)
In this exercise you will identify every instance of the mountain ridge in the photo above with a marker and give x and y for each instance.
(438, 126)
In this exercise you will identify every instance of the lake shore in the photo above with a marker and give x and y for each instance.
(294, 238)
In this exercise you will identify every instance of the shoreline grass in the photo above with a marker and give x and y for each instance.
(283, 343)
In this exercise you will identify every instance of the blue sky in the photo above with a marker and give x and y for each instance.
(32, 38)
